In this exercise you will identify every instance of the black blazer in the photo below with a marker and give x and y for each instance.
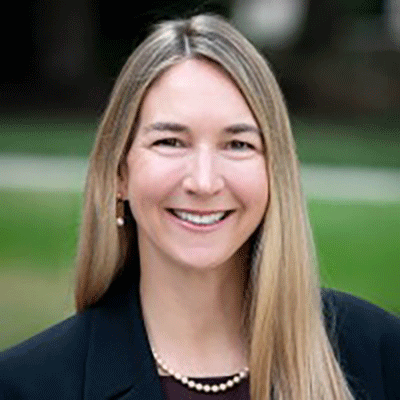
(103, 353)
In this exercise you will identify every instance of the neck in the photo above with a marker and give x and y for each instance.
(194, 318)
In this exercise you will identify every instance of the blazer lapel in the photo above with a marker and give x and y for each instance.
(119, 362)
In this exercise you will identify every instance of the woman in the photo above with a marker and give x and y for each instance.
(196, 273)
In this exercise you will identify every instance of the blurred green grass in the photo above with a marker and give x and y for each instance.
(38, 228)
(358, 245)
(39, 231)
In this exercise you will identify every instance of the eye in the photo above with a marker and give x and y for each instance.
(169, 142)
(239, 145)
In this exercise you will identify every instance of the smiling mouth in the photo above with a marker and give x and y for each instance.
(200, 219)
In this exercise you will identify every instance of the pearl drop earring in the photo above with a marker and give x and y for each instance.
(120, 210)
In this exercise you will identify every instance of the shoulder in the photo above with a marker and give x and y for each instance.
(348, 310)
(366, 340)
(58, 352)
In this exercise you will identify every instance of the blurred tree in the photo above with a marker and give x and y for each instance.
(342, 56)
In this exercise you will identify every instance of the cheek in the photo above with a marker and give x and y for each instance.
(250, 183)
(151, 178)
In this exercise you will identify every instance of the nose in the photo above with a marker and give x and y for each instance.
(204, 177)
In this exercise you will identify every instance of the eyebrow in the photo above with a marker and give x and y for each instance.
(176, 127)
(166, 126)
(242, 128)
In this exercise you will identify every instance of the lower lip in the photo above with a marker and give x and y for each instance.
(199, 228)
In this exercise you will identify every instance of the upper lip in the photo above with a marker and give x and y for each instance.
(199, 212)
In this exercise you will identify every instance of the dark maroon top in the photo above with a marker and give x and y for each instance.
(174, 390)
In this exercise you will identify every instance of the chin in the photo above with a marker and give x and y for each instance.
(200, 260)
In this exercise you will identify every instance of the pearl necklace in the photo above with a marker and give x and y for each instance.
(197, 385)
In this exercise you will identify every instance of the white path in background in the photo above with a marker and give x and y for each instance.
(319, 182)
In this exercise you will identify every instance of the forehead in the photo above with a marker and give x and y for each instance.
(184, 72)
(195, 86)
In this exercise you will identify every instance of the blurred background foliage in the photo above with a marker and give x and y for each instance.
(337, 61)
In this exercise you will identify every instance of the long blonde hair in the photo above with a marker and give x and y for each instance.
(290, 354)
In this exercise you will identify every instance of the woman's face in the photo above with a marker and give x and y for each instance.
(196, 177)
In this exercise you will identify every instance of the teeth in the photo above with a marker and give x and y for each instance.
(200, 219)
